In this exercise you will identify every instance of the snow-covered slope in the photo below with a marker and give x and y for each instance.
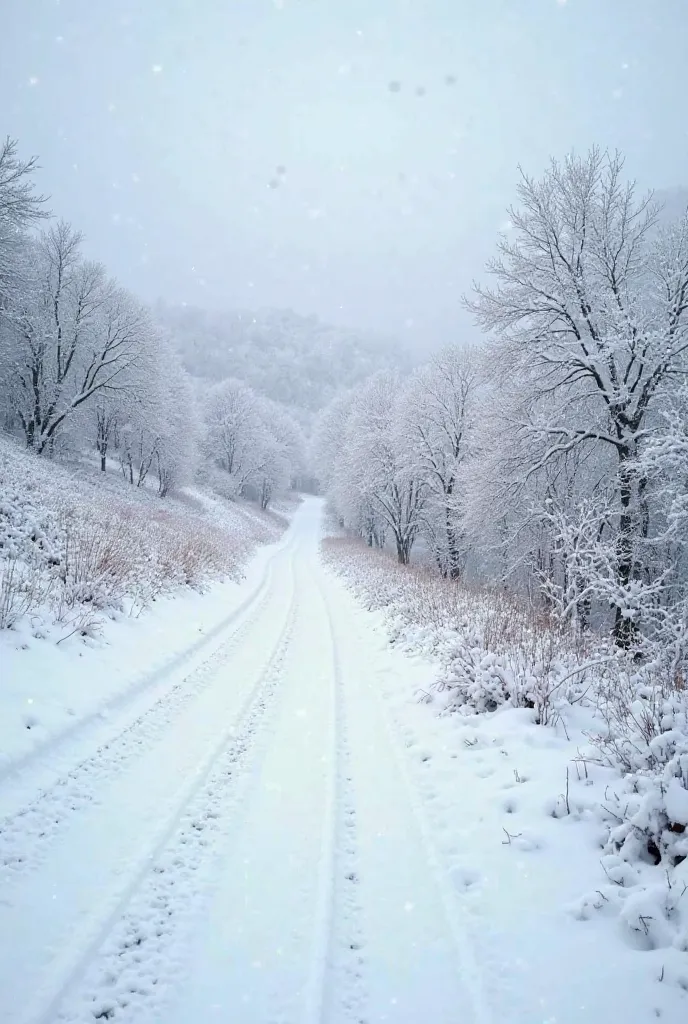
(89, 565)
(76, 541)
(558, 779)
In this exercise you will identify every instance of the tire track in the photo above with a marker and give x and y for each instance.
(128, 961)
(469, 969)
(336, 990)
(17, 766)
(25, 836)
(426, 907)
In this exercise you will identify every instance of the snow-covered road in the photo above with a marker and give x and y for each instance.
(238, 843)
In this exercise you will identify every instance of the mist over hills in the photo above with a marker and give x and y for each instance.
(296, 360)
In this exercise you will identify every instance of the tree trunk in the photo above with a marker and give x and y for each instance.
(625, 629)
(403, 550)
(453, 556)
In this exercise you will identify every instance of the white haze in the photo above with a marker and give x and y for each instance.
(352, 160)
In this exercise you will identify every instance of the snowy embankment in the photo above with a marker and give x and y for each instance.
(563, 775)
(102, 585)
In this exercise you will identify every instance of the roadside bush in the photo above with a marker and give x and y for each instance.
(494, 653)
(71, 550)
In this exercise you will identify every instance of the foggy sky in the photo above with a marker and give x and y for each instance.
(352, 158)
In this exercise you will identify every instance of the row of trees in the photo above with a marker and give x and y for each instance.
(84, 364)
(553, 460)
(255, 444)
(392, 455)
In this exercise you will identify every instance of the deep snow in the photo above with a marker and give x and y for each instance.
(267, 826)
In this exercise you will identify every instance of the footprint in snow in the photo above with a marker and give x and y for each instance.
(464, 878)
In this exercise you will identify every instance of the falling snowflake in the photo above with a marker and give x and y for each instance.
(157, 69)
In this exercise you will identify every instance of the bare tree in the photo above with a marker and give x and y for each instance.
(20, 207)
(75, 335)
(436, 423)
(591, 309)
(233, 429)
(376, 467)
(107, 415)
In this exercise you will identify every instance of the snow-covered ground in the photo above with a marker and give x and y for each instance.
(77, 545)
(91, 571)
(267, 826)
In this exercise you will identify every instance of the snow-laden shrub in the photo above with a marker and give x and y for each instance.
(492, 651)
(643, 732)
(643, 715)
(650, 816)
(73, 546)
(649, 903)
(28, 532)
(493, 654)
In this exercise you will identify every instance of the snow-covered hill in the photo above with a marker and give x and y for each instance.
(296, 360)
(77, 544)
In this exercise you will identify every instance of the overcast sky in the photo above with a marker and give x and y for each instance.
(352, 158)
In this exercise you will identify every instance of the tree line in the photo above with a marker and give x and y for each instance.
(553, 458)
(85, 366)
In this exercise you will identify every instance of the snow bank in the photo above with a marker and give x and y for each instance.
(74, 545)
(82, 556)
(614, 758)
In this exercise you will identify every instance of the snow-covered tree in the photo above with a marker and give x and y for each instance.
(438, 407)
(381, 481)
(253, 440)
(591, 312)
(157, 429)
(234, 430)
(328, 439)
(73, 334)
(287, 432)
(20, 207)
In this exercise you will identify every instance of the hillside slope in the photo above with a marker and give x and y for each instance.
(77, 545)
(292, 359)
